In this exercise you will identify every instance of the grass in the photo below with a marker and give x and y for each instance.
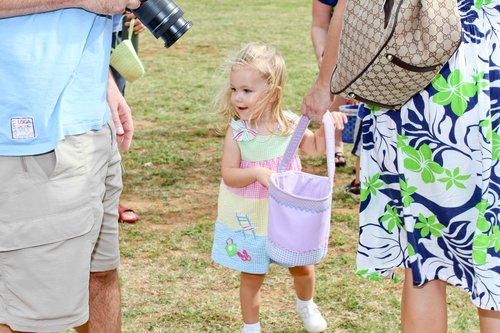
(169, 283)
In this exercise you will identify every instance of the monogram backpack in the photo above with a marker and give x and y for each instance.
(392, 49)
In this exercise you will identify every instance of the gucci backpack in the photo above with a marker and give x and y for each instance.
(392, 49)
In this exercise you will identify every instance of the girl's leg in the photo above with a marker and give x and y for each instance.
(250, 296)
(489, 321)
(423, 309)
(304, 281)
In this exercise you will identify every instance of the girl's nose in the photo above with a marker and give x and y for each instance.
(238, 96)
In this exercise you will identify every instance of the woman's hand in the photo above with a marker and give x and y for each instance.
(316, 101)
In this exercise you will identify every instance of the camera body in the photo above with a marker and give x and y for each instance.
(164, 19)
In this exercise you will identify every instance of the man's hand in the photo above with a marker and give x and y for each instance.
(109, 7)
(121, 113)
(138, 26)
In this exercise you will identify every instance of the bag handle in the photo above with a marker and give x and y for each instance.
(130, 29)
(296, 138)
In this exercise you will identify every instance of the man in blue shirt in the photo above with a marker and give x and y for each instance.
(60, 166)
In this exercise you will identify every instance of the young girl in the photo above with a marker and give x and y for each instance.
(257, 134)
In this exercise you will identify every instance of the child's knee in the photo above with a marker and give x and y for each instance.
(302, 270)
(251, 279)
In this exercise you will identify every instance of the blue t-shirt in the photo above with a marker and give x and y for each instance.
(54, 78)
(329, 2)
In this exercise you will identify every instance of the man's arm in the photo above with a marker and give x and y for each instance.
(9, 8)
(20, 7)
(121, 113)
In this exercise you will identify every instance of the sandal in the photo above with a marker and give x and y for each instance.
(127, 215)
(340, 160)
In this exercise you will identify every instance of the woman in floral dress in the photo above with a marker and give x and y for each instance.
(430, 193)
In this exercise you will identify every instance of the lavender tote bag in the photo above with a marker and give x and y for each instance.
(300, 205)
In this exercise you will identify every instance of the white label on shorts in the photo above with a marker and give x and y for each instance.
(22, 128)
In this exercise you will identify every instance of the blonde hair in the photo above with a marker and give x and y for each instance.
(272, 68)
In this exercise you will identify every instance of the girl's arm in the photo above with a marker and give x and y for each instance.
(313, 143)
(235, 176)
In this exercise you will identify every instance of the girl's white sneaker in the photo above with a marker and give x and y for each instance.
(312, 318)
(251, 330)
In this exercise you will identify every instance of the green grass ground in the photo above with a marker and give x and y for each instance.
(169, 283)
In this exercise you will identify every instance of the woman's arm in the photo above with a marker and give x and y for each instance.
(317, 99)
(321, 15)
(235, 176)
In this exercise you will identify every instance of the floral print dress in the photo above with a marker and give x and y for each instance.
(430, 197)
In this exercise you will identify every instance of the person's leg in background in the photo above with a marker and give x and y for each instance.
(340, 160)
(354, 187)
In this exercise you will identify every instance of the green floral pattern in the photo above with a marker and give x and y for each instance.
(430, 172)
(453, 91)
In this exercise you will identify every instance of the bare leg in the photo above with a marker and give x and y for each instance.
(427, 301)
(334, 106)
(304, 281)
(358, 170)
(250, 296)
(339, 145)
(5, 329)
(104, 304)
(489, 321)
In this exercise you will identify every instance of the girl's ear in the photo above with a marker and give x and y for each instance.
(277, 94)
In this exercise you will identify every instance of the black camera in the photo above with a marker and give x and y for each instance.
(164, 19)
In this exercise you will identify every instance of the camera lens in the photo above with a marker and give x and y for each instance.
(164, 19)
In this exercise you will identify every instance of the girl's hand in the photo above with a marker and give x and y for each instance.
(339, 119)
(263, 175)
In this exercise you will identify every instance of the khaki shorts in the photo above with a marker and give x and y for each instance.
(58, 222)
